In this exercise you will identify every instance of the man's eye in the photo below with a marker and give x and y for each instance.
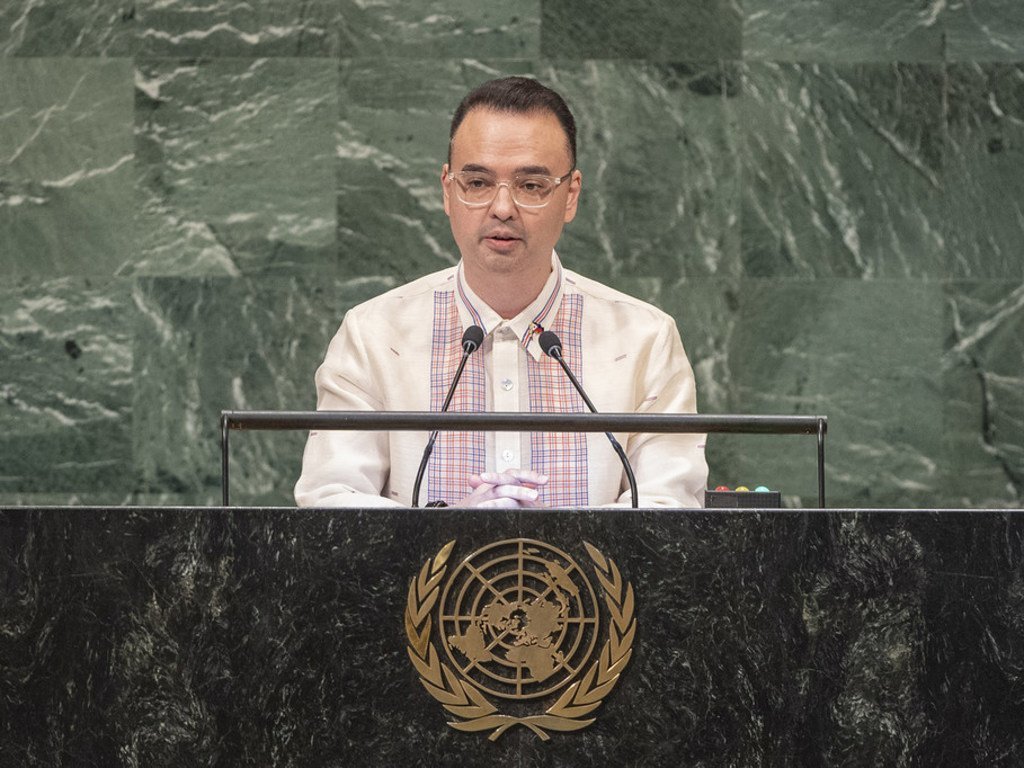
(478, 182)
(532, 185)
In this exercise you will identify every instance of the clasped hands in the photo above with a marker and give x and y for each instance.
(511, 489)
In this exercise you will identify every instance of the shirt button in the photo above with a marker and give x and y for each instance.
(506, 384)
(507, 455)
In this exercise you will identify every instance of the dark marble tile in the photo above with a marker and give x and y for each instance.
(983, 386)
(660, 189)
(66, 382)
(161, 637)
(236, 169)
(843, 171)
(218, 28)
(846, 349)
(455, 29)
(835, 31)
(984, 171)
(688, 30)
(392, 141)
(65, 167)
(207, 345)
(67, 28)
(883, 30)
(657, 151)
(989, 31)
(707, 315)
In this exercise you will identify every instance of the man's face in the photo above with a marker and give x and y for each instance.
(503, 238)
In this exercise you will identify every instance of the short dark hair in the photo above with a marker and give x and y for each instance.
(518, 95)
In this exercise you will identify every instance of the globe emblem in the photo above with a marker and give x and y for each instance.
(519, 618)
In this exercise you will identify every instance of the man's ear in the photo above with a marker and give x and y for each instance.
(444, 190)
(573, 198)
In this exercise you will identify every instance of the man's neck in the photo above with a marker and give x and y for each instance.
(510, 294)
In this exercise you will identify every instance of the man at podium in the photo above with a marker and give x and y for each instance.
(510, 185)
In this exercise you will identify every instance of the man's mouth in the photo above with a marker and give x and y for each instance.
(501, 241)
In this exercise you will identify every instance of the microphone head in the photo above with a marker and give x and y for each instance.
(472, 339)
(550, 344)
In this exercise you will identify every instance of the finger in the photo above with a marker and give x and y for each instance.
(514, 477)
(481, 493)
(529, 476)
(518, 492)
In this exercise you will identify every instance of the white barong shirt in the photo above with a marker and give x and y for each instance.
(399, 351)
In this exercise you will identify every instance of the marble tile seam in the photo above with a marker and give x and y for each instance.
(555, 62)
(518, 60)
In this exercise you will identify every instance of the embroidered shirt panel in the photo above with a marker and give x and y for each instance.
(561, 456)
(456, 455)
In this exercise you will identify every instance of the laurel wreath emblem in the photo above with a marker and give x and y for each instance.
(472, 708)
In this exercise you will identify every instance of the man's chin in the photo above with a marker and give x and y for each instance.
(499, 263)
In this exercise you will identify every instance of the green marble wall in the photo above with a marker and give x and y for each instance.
(828, 196)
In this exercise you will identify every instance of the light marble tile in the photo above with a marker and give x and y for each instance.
(66, 384)
(65, 167)
(235, 162)
(840, 31)
(218, 28)
(984, 30)
(983, 387)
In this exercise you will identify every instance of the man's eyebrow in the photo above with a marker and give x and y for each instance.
(533, 170)
(523, 170)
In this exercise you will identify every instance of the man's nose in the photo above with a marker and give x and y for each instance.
(503, 206)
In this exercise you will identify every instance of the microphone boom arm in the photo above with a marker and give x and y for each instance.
(471, 341)
(555, 351)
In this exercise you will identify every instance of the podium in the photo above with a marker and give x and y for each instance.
(145, 636)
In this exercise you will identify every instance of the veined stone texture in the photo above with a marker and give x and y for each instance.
(175, 636)
(66, 414)
(65, 163)
(826, 195)
(233, 161)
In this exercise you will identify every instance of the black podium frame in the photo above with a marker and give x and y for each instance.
(427, 421)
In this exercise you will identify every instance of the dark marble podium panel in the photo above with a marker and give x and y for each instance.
(159, 637)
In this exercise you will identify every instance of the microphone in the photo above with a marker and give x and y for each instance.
(471, 341)
(551, 346)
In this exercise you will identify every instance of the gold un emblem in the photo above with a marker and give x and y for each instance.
(519, 621)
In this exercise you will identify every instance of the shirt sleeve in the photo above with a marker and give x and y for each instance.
(345, 468)
(671, 469)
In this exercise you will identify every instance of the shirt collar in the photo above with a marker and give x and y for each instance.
(529, 323)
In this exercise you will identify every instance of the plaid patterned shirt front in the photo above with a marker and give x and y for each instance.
(457, 455)
(560, 456)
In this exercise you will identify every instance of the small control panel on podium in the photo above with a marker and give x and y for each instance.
(742, 497)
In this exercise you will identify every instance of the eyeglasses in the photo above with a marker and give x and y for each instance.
(477, 189)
